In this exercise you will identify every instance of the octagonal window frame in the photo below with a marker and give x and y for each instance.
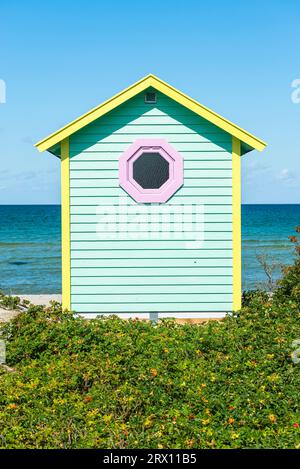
(164, 155)
(168, 188)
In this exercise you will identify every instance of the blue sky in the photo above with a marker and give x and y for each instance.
(60, 58)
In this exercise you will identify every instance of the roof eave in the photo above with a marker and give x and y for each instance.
(150, 80)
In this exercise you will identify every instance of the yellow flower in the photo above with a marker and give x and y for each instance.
(92, 413)
(12, 406)
(272, 418)
(32, 385)
(190, 443)
(273, 378)
(147, 422)
(211, 443)
(205, 421)
(234, 436)
(59, 401)
(107, 418)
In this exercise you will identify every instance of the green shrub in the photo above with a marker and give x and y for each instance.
(9, 302)
(254, 297)
(289, 285)
(112, 383)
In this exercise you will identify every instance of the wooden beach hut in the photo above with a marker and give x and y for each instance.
(151, 206)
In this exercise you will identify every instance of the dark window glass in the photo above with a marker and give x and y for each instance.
(150, 97)
(150, 170)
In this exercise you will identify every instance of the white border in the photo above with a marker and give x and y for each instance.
(210, 315)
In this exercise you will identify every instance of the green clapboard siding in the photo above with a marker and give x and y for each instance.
(117, 264)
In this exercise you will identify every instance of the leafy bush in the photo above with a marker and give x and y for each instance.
(13, 302)
(289, 284)
(112, 383)
(9, 302)
(252, 297)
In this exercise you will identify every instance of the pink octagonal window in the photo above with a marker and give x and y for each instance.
(151, 170)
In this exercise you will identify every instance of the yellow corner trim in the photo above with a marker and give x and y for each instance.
(236, 224)
(65, 224)
(133, 90)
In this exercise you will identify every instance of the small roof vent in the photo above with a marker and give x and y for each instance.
(150, 97)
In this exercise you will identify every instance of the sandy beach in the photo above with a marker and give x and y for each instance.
(7, 315)
(40, 299)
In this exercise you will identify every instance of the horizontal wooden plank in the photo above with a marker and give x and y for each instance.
(86, 182)
(132, 209)
(139, 100)
(114, 182)
(177, 263)
(116, 191)
(187, 201)
(89, 173)
(174, 281)
(146, 271)
(213, 240)
(102, 156)
(83, 174)
(129, 138)
(151, 307)
(150, 254)
(134, 110)
(114, 165)
(152, 298)
(179, 146)
(161, 99)
(148, 290)
(145, 220)
(138, 117)
(149, 125)
(189, 240)
(148, 232)
(133, 231)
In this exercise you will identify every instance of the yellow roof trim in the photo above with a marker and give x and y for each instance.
(133, 90)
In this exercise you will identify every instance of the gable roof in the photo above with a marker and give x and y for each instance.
(250, 141)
